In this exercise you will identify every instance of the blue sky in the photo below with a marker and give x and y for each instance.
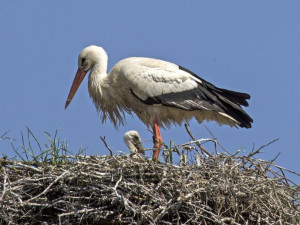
(248, 46)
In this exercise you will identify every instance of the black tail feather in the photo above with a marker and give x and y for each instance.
(229, 101)
(237, 97)
(233, 101)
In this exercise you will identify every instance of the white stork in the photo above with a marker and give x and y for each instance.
(160, 93)
(134, 142)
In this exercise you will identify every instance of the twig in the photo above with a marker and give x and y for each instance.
(106, 145)
(198, 143)
(279, 167)
(215, 138)
(252, 153)
(4, 137)
(29, 167)
(204, 140)
(4, 183)
(50, 185)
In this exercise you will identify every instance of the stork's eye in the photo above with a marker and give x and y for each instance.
(83, 60)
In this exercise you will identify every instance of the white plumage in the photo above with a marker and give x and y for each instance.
(160, 93)
(133, 141)
(149, 77)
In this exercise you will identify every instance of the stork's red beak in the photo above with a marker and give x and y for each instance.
(76, 82)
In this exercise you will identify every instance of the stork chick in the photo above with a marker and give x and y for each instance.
(134, 142)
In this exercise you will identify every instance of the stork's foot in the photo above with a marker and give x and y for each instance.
(157, 147)
(157, 140)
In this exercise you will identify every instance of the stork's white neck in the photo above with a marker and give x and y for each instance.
(98, 82)
(98, 70)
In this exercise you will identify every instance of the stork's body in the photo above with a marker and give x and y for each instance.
(160, 93)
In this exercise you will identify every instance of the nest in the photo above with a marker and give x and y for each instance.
(130, 189)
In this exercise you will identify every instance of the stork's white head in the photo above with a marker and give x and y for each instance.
(88, 58)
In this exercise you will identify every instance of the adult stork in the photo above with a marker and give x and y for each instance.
(160, 93)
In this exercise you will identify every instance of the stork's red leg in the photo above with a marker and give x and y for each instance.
(157, 139)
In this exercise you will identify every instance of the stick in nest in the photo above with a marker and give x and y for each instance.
(106, 145)
(204, 151)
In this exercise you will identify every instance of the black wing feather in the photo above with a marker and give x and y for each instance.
(237, 97)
